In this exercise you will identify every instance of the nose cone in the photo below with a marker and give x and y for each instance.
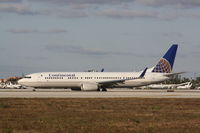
(21, 82)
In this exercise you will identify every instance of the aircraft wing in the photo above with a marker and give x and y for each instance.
(173, 74)
(111, 83)
(115, 82)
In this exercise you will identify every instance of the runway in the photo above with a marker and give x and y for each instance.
(111, 93)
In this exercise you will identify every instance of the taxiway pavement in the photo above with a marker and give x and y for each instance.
(111, 93)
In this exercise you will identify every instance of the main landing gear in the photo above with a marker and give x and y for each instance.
(104, 89)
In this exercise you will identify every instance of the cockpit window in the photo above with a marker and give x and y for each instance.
(27, 77)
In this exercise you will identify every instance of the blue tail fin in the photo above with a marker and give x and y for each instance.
(165, 65)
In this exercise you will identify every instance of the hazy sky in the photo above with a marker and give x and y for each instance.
(77, 35)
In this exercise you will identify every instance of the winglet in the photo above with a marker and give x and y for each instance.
(143, 73)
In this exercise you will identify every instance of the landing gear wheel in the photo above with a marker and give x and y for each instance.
(104, 89)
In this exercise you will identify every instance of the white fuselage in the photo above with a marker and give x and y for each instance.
(188, 85)
(77, 79)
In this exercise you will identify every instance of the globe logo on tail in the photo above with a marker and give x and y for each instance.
(163, 66)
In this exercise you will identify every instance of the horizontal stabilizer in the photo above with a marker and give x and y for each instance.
(173, 74)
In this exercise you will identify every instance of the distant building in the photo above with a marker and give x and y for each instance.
(10, 79)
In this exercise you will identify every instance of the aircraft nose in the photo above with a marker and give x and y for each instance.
(21, 81)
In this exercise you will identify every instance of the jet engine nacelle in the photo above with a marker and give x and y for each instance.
(89, 87)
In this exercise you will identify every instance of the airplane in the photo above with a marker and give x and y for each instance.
(10, 85)
(198, 88)
(96, 81)
(185, 85)
(13, 86)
